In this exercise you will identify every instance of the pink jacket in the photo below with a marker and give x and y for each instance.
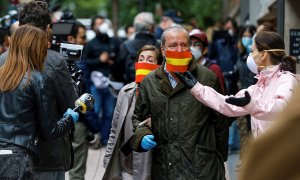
(268, 97)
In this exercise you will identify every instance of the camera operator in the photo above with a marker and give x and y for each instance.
(55, 157)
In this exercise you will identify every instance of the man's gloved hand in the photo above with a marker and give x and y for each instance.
(188, 80)
(241, 101)
(73, 114)
(148, 143)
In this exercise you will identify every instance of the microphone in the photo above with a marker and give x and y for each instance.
(84, 103)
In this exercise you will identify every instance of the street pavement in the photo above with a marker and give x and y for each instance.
(95, 168)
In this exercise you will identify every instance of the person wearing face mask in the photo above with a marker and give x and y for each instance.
(199, 49)
(246, 77)
(188, 139)
(263, 101)
(100, 56)
(135, 165)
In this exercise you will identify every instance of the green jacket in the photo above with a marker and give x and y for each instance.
(192, 139)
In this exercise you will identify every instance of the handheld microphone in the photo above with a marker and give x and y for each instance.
(84, 103)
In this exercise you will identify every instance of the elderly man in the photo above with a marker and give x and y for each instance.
(189, 140)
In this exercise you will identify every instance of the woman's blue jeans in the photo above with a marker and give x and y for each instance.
(104, 107)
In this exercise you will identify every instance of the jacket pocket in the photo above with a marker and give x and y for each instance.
(9, 166)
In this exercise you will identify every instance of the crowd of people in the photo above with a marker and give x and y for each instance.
(171, 100)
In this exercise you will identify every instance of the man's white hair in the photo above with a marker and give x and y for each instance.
(143, 21)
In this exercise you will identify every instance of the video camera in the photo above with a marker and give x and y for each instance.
(61, 31)
(72, 52)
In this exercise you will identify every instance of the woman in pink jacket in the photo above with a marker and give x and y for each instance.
(276, 81)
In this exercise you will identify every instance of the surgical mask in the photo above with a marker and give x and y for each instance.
(247, 42)
(197, 53)
(252, 64)
(230, 32)
(103, 28)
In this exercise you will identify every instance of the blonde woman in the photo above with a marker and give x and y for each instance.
(25, 100)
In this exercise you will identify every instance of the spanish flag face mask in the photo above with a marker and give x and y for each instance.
(178, 61)
(142, 69)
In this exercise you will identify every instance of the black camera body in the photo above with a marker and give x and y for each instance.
(61, 30)
(72, 52)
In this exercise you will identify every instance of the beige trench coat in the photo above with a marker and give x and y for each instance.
(112, 162)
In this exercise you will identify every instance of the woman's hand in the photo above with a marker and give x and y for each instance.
(241, 101)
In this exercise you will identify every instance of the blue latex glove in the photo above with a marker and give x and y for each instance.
(73, 114)
(148, 143)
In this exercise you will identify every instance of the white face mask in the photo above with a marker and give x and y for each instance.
(103, 28)
(230, 32)
(252, 64)
(197, 53)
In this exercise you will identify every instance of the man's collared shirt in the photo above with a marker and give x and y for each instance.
(171, 79)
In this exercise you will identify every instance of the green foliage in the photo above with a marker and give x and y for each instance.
(84, 8)
(3, 8)
(189, 9)
(205, 8)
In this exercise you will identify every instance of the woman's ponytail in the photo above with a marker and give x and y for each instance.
(288, 63)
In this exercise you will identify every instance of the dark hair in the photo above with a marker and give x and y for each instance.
(94, 19)
(267, 26)
(248, 28)
(267, 40)
(35, 13)
(78, 24)
(233, 22)
(127, 27)
(151, 48)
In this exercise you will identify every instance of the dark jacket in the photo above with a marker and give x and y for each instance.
(56, 155)
(25, 117)
(191, 138)
(120, 71)
(246, 77)
(101, 43)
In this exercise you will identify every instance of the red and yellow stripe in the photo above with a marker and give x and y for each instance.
(142, 69)
(178, 61)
